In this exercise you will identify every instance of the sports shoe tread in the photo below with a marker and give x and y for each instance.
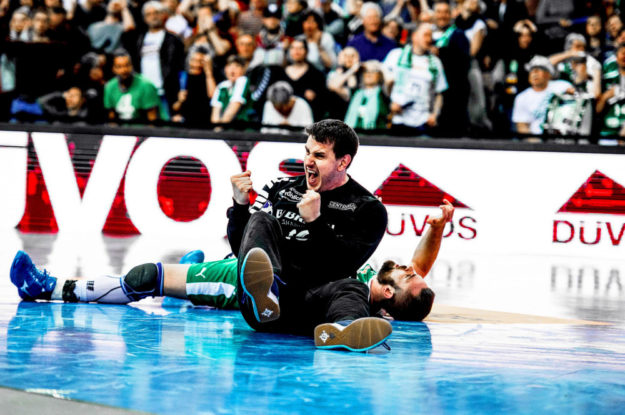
(360, 335)
(257, 279)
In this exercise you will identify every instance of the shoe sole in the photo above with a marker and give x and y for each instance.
(256, 280)
(359, 336)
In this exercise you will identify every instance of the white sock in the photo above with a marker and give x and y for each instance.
(105, 289)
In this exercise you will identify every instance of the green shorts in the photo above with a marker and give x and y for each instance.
(213, 284)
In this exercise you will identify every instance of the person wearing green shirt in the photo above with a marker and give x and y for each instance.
(398, 291)
(231, 100)
(129, 96)
(612, 102)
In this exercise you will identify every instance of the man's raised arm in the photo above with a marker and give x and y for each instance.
(426, 252)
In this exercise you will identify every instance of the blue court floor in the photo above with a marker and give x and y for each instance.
(183, 360)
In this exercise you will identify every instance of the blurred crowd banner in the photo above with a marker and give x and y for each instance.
(510, 197)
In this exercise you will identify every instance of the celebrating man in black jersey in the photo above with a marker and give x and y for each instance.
(302, 239)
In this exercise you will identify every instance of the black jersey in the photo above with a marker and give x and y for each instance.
(349, 229)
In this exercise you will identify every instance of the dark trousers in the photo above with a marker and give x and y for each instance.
(301, 307)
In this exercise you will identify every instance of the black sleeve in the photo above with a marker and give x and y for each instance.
(348, 252)
(238, 215)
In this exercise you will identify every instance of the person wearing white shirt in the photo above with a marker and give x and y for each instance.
(418, 82)
(530, 106)
(283, 108)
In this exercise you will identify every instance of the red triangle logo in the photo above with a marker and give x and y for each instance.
(406, 188)
(599, 194)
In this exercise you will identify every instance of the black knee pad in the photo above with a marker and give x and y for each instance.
(142, 281)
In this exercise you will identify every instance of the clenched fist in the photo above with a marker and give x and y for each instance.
(241, 186)
(310, 206)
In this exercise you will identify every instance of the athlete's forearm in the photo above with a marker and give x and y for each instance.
(426, 252)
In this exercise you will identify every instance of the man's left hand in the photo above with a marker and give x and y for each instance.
(310, 206)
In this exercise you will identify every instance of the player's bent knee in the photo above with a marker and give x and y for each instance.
(143, 281)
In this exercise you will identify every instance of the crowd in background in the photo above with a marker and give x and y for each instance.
(441, 68)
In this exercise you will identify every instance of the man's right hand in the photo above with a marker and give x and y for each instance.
(241, 186)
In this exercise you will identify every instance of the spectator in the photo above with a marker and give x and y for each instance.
(90, 79)
(294, 18)
(62, 31)
(530, 106)
(371, 44)
(284, 108)
(158, 53)
(510, 74)
(567, 63)
(405, 10)
(41, 24)
(501, 17)
(130, 97)
(66, 107)
(106, 35)
(332, 20)
(271, 41)
(393, 29)
(20, 24)
(554, 17)
(610, 70)
(369, 106)
(418, 82)
(475, 30)
(595, 37)
(176, 23)
(231, 101)
(38, 62)
(353, 19)
(343, 81)
(611, 104)
(613, 27)
(251, 21)
(307, 81)
(86, 13)
(212, 29)
(320, 44)
(197, 87)
(452, 48)
(246, 45)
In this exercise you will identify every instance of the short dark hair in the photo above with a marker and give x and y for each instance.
(343, 137)
(413, 308)
(318, 19)
(301, 40)
(236, 59)
(121, 53)
(58, 10)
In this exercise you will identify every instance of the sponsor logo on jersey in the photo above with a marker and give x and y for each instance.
(291, 195)
(342, 206)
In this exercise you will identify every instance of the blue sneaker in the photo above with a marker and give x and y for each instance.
(193, 257)
(357, 336)
(259, 286)
(31, 282)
